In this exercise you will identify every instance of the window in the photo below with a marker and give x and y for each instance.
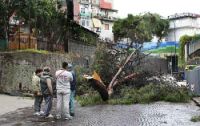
(83, 22)
(87, 23)
(106, 13)
(94, 10)
(82, 10)
(86, 6)
(106, 26)
(98, 30)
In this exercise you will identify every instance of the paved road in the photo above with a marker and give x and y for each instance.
(155, 114)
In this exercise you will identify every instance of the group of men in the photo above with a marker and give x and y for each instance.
(43, 87)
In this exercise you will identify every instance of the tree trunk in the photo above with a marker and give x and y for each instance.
(113, 82)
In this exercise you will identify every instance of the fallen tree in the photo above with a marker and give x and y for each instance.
(117, 65)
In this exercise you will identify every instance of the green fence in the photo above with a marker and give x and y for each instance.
(3, 44)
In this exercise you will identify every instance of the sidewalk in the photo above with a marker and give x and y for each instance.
(196, 100)
(12, 103)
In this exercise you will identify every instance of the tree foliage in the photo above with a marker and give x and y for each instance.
(183, 41)
(46, 19)
(140, 28)
(8, 7)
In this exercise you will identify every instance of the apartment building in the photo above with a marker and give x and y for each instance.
(96, 15)
(183, 24)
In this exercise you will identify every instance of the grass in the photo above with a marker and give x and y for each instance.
(195, 119)
(147, 94)
(34, 51)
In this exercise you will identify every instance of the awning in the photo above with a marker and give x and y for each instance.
(96, 22)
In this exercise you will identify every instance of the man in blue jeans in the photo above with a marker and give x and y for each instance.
(47, 91)
(73, 90)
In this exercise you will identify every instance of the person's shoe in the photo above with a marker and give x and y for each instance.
(72, 114)
(50, 116)
(41, 113)
(36, 114)
(69, 118)
(58, 117)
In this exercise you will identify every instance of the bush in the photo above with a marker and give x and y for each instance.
(83, 86)
(146, 94)
(195, 119)
(89, 99)
(152, 92)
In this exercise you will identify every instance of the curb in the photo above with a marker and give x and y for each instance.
(196, 101)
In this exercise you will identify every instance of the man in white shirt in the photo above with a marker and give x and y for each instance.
(63, 78)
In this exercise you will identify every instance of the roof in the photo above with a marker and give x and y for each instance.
(113, 10)
(183, 15)
(85, 29)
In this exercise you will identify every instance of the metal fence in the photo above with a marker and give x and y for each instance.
(193, 79)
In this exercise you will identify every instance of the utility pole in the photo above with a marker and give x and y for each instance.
(29, 37)
(19, 36)
(175, 46)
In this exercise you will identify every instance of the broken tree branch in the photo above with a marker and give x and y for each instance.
(110, 86)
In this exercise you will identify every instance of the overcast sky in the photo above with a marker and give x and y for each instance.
(162, 7)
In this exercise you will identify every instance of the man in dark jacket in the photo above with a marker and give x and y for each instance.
(73, 90)
(47, 91)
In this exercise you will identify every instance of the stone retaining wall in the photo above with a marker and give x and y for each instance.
(17, 68)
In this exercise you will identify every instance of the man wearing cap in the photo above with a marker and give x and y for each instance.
(63, 78)
(73, 89)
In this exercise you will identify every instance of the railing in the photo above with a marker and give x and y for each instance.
(84, 2)
(108, 18)
(95, 4)
(193, 47)
(96, 15)
(103, 17)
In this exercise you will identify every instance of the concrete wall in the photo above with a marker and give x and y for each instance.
(107, 34)
(154, 64)
(180, 32)
(18, 67)
(80, 49)
(183, 26)
(82, 55)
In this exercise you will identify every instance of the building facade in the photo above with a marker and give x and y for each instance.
(96, 15)
(183, 24)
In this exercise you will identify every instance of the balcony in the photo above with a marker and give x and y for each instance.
(193, 47)
(84, 2)
(84, 14)
(96, 15)
(103, 17)
(95, 4)
(108, 18)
